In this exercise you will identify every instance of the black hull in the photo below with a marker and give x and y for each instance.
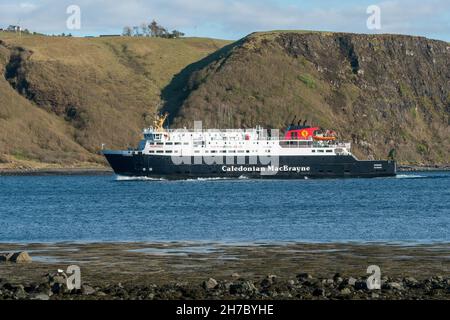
(289, 167)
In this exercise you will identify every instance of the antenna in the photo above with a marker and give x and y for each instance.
(293, 120)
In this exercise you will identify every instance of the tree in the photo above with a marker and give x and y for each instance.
(145, 30)
(176, 34)
(136, 32)
(127, 31)
(154, 28)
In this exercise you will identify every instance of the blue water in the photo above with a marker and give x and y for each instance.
(410, 208)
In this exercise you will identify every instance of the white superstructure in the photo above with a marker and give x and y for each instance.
(231, 142)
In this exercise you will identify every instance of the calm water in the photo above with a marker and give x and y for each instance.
(410, 208)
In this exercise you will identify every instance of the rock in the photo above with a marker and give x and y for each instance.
(291, 282)
(210, 284)
(337, 278)
(20, 257)
(346, 291)
(304, 276)
(58, 288)
(19, 291)
(87, 290)
(6, 257)
(393, 286)
(352, 281)
(360, 285)
(236, 275)
(337, 275)
(411, 282)
(318, 292)
(268, 281)
(40, 296)
(58, 279)
(246, 287)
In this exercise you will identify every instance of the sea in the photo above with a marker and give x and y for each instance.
(412, 208)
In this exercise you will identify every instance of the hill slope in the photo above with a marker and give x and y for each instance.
(61, 98)
(382, 92)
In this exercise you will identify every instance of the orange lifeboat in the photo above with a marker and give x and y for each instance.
(329, 135)
(323, 138)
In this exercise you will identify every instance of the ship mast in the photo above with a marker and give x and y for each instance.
(158, 123)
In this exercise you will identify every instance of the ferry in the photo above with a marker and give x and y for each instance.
(302, 152)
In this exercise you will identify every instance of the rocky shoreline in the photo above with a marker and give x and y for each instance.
(174, 271)
(423, 168)
(301, 287)
(56, 172)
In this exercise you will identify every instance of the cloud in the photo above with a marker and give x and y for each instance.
(233, 18)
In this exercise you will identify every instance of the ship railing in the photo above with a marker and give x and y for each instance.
(312, 144)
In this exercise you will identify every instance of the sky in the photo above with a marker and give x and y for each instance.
(230, 19)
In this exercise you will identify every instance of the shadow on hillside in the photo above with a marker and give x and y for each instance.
(176, 92)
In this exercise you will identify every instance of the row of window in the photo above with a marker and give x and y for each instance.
(228, 151)
(187, 143)
(322, 151)
(206, 151)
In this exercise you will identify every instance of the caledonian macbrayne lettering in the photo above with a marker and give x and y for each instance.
(264, 169)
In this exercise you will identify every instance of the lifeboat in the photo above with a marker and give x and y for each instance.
(324, 138)
(329, 135)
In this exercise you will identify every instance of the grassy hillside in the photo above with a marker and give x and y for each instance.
(61, 98)
(382, 92)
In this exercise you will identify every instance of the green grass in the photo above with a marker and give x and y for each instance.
(308, 80)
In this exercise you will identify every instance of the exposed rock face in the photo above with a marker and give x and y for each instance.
(382, 92)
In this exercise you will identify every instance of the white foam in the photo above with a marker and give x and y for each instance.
(127, 178)
(208, 179)
(409, 176)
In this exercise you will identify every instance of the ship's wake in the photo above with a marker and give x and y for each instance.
(409, 176)
(127, 178)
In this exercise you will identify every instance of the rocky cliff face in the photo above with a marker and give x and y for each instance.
(382, 92)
